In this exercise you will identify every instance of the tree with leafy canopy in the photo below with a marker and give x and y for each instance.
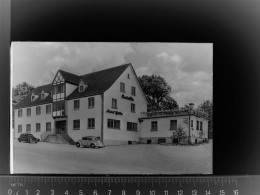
(19, 92)
(157, 92)
(207, 106)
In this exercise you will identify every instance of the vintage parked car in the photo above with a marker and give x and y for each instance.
(28, 138)
(89, 141)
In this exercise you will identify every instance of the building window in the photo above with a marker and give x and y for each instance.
(20, 113)
(48, 126)
(154, 126)
(38, 127)
(191, 123)
(201, 125)
(131, 126)
(38, 110)
(91, 123)
(81, 88)
(20, 128)
(114, 103)
(76, 104)
(133, 90)
(42, 95)
(122, 87)
(58, 89)
(173, 125)
(33, 98)
(132, 107)
(198, 124)
(28, 112)
(91, 102)
(76, 124)
(28, 128)
(114, 124)
(128, 76)
(48, 109)
(59, 106)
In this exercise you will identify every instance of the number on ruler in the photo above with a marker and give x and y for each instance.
(123, 192)
(9, 192)
(80, 192)
(137, 192)
(207, 192)
(109, 192)
(38, 192)
(52, 192)
(180, 192)
(165, 192)
(194, 192)
(152, 192)
(95, 192)
(67, 192)
(222, 192)
(235, 192)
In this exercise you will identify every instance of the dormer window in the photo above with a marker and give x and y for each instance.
(32, 97)
(42, 95)
(81, 88)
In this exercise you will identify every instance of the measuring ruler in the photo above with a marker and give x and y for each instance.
(129, 185)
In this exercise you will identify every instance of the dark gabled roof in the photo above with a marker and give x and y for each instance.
(69, 77)
(26, 102)
(98, 82)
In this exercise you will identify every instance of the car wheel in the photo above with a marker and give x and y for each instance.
(92, 145)
(78, 144)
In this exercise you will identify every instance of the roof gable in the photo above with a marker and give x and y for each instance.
(58, 79)
(63, 76)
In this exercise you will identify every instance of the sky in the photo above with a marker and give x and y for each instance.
(186, 67)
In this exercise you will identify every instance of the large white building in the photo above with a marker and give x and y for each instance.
(109, 104)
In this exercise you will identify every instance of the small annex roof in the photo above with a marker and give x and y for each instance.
(98, 82)
(26, 102)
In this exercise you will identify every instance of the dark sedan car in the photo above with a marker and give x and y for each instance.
(28, 138)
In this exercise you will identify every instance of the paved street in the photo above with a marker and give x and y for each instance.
(127, 159)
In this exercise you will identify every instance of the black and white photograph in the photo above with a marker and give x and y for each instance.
(111, 108)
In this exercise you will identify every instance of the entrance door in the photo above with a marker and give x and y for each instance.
(149, 141)
(61, 127)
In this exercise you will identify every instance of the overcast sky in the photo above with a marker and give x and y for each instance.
(186, 67)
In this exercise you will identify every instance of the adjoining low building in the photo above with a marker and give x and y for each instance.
(158, 127)
(109, 104)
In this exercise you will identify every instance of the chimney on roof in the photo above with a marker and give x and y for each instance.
(191, 105)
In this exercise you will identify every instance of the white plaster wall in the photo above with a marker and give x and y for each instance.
(163, 125)
(69, 89)
(83, 114)
(194, 131)
(43, 118)
(124, 106)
